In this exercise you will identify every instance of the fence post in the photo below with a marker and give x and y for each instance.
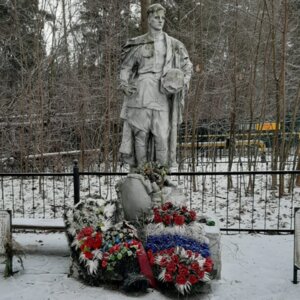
(296, 244)
(76, 182)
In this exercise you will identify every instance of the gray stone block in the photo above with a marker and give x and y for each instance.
(214, 235)
(134, 194)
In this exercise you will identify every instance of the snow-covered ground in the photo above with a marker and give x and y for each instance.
(253, 267)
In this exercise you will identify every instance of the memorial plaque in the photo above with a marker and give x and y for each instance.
(297, 239)
(5, 230)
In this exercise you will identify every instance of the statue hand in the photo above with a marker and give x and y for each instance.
(129, 90)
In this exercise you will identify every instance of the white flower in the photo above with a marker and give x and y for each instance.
(158, 258)
(82, 257)
(72, 230)
(183, 288)
(109, 210)
(201, 261)
(97, 254)
(106, 225)
(161, 275)
(206, 277)
(76, 243)
(92, 266)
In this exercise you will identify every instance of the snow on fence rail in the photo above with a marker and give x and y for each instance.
(240, 200)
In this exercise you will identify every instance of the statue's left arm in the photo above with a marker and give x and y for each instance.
(185, 65)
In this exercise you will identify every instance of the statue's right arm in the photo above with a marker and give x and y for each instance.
(126, 74)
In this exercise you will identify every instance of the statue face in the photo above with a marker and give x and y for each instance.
(156, 20)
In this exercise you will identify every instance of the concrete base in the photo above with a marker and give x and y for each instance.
(134, 195)
(214, 235)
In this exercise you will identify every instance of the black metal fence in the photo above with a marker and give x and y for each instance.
(239, 201)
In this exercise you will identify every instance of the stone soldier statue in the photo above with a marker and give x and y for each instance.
(155, 75)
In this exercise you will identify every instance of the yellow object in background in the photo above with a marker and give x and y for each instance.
(267, 126)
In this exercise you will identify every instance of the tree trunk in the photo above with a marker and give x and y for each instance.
(144, 17)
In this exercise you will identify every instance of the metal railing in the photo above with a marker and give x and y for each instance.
(240, 201)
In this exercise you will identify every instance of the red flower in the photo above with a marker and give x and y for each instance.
(104, 264)
(189, 253)
(182, 270)
(80, 236)
(167, 219)
(168, 277)
(114, 249)
(208, 265)
(180, 279)
(170, 251)
(84, 232)
(135, 243)
(193, 215)
(175, 259)
(97, 243)
(164, 208)
(201, 274)
(167, 206)
(88, 255)
(193, 279)
(195, 266)
(87, 231)
(179, 220)
(163, 262)
(157, 218)
(89, 242)
(184, 209)
(171, 267)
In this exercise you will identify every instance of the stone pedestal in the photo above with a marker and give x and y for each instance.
(134, 193)
(214, 235)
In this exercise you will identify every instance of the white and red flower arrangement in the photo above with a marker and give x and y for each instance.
(177, 253)
(178, 250)
(89, 242)
(103, 252)
(185, 269)
(107, 252)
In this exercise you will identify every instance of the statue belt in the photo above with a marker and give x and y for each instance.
(150, 75)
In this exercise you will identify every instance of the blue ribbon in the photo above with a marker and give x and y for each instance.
(164, 242)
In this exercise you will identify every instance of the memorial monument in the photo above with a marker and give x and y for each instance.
(155, 75)
(148, 240)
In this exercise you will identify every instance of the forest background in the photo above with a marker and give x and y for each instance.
(59, 67)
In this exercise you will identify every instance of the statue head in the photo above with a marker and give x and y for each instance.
(156, 16)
